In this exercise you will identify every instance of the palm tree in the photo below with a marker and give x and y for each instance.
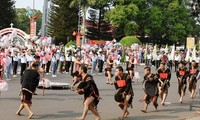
(84, 6)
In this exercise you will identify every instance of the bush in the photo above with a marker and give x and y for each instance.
(129, 40)
(70, 43)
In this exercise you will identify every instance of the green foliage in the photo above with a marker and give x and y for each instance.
(162, 20)
(70, 43)
(23, 22)
(7, 13)
(63, 21)
(129, 40)
(97, 28)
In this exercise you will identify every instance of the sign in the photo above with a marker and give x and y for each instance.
(190, 42)
(32, 28)
(92, 42)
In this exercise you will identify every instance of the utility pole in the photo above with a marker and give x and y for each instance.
(44, 18)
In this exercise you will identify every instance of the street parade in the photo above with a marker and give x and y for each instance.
(112, 79)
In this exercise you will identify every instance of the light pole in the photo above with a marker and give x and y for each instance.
(44, 18)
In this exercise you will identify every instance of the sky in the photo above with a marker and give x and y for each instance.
(26, 3)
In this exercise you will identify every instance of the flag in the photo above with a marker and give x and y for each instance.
(145, 52)
(172, 53)
(194, 53)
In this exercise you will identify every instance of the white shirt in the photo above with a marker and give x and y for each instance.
(94, 58)
(29, 58)
(158, 57)
(73, 58)
(177, 58)
(62, 58)
(127, 58)
(15, 58)
(149, 56)
(68, 57)
(23, 59)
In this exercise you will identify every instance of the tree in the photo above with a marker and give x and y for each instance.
(63, 21)
(7, 13)
(97, 27)
(23, 22)
(129, 40)
(163, 21)
(123, 16)
(84, 5)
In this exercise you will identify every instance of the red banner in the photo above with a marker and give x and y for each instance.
(32, 28)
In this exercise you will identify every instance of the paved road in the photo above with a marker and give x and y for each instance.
(67, 105)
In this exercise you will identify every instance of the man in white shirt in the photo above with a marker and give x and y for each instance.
(158, 60)
(177, 59)
(149, 58)
(23, 63)
(68, 58)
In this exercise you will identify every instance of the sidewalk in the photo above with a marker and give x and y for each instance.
(194, 118)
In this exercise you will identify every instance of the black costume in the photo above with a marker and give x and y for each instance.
(124, 83)
(30, 80)
(90, 89)
(165, 77)
(153, 80)
(182, 74)
(192, 76)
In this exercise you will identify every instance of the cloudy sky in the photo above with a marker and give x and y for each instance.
(26, 3)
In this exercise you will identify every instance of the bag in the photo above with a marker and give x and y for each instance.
(3, 86)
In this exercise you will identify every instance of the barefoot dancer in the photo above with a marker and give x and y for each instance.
(108, 70)
(123, 81)
(182, 75)
(29, 85)
(91, 94)
(151, 79)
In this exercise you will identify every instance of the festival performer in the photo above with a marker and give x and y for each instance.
(182, 75)
(164, 76)
(108, 70)
(91, 94)
(152, 80)
(29, 85)
(75, 74)
(131, 67)
(123, 85)
(193, 72)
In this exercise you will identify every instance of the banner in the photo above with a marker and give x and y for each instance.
(32, 28)
(190, 42)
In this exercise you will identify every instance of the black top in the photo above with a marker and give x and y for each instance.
(182, 72)
(152, 79)
(128, 83)
(164, 75)
(90, 89)
(30, 79)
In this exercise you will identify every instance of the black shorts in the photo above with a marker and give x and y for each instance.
(26, 97)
